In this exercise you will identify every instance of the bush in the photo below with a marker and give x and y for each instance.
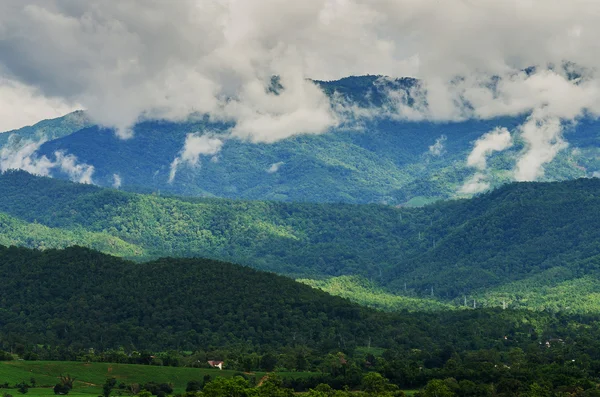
(61, 389)
(193, 385)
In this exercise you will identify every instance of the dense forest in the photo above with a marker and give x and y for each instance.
(513, 246)
(186, 311)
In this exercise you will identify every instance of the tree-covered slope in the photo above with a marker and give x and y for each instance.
(377, 160)
(14, 231)
(79, 304)
(59, 297)
(46, 130)
(291, 238)
(511, 233)
(457, 249)
(174, 303)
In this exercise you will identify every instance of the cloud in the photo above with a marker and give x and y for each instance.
(195, 145)
(67, 163)
(493, 141)
(437, 149)
(476, 184)
(135, 59)
(22, 105)
(542, 134)
(130, 60)
(275, 167)
(116, 181)
(25, 157)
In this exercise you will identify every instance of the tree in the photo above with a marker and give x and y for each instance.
(273, 387)
(67, 381)
(437, 388)
(22, 387)
(374, 382)
(193, 385)
(60, 389)
(108, 386)
(268, 362)
(232, 387)
(322, 390)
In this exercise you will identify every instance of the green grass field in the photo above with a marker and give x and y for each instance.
(89, 377)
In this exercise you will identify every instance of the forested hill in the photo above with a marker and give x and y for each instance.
(78, 304)
(513, 242)
(58, 298)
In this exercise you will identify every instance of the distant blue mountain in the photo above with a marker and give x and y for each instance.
(47, 129)
(387, 161)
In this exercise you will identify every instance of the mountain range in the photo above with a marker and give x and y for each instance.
(187, 244)
(375, 159)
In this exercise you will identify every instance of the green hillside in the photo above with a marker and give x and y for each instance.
(367, 293)
(14, 231)
(59, 297)
(46, 130)
(448, 251)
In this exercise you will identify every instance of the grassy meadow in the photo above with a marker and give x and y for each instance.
(89, 377)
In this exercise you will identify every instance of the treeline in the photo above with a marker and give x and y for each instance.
(555, 369)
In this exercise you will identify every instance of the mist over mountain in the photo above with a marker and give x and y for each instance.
(373, 158)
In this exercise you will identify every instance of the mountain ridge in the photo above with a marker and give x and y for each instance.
(386, 160)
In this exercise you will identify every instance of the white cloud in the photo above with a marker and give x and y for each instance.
(25, 157)
(22, 105)
(133, 59)
(117, 181)
(275, 167)
(67, 163)
(543, 140)
(438, 147)
(195, 145)
(493, 141)
(476, 184)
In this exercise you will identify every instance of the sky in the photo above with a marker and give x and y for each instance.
(131, 59)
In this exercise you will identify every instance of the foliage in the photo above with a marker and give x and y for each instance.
(522, 245)
(54, 300)
(109, 385)
(14, 231)
(46, 130)
(367, 293)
